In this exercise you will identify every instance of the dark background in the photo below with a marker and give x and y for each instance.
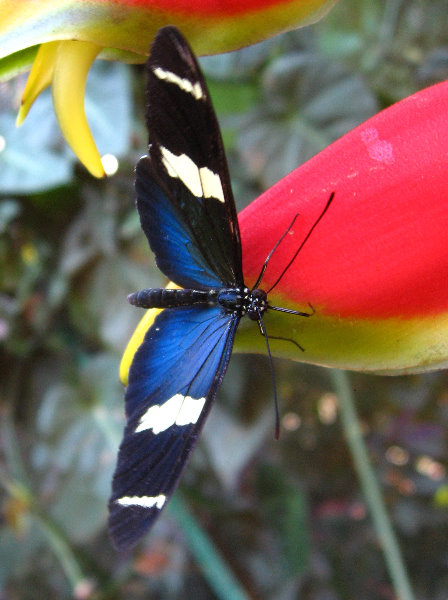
(287, 517)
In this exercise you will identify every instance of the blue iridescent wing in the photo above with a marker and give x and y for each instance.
(188, 214)
(173, 380)
(184, 196)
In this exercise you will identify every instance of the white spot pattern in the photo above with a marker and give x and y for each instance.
(178, 410)
(186, 85)
(144, 501)
(201, 182)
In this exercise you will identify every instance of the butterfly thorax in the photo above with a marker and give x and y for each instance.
(243, 301)
(237, 300)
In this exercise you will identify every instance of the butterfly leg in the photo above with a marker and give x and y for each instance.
(291, 312)
(294, 312)
(286, 339)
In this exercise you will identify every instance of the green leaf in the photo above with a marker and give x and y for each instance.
(12, 65)
(223, 430)
(108, 106)
(307, 102)
(30, 160)
(286, 510)
(9, 210)
(78, 429)
(34, 157)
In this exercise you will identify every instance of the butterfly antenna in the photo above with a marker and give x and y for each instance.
(320, 217)
(268, 257)
(271, 365)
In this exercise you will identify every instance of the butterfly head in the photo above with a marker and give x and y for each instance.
(243, 301)
(255, 304)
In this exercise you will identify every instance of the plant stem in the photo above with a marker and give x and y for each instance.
(371, 488)
(218, 574)
(16, 481)
(62, 551)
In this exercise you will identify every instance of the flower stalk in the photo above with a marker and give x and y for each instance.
(370, 487)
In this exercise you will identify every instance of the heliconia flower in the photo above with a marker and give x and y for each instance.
(375, 269)
(70, 34)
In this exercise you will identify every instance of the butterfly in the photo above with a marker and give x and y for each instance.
(187, 212)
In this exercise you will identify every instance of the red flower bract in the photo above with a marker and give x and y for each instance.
(375, 268)
(227, 8)
(381, 250)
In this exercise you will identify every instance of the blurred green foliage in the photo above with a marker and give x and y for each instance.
(287, 517)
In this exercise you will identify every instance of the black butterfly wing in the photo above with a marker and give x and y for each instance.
(188, 214)
(173, 380)
(184, 196)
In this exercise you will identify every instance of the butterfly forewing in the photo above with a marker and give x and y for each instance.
(183, 252)
(187, 163)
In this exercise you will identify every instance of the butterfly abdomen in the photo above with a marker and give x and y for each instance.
(168, 298)
(233, 299)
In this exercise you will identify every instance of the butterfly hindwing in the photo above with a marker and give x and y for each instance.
(186, 170)
(172, 382)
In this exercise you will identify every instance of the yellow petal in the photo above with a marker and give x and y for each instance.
(72, 64)
(39, 78)
(135, 341)
(391, 346)
(137, 338)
